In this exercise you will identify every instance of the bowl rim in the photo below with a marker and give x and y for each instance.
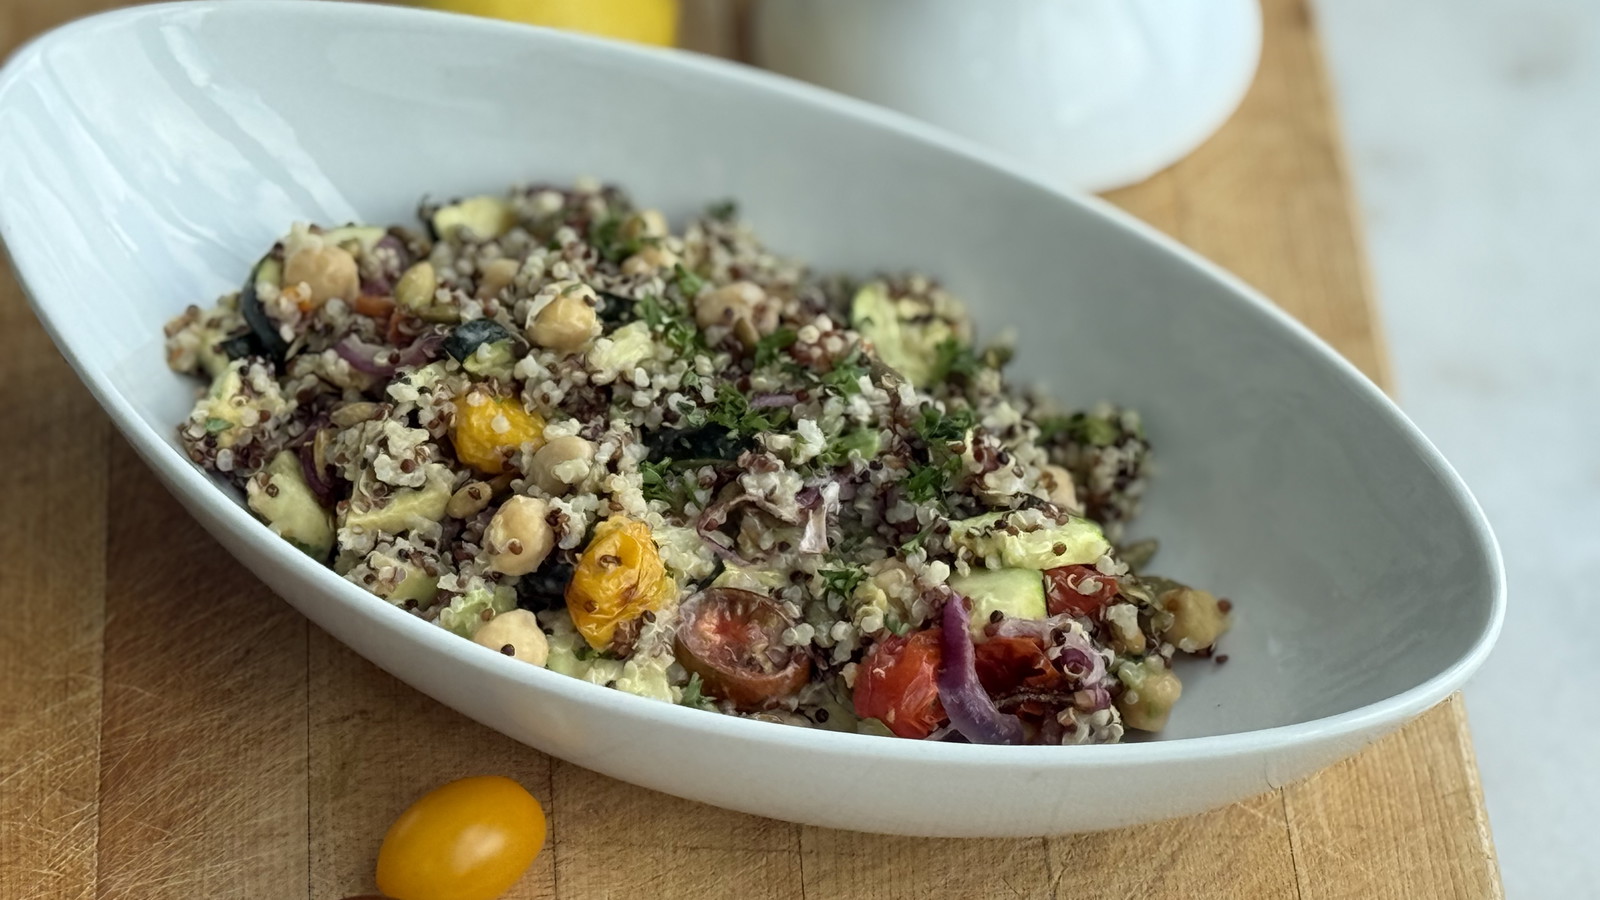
(190, 483)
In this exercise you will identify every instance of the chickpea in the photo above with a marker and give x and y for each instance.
(567, 321)
(327, 271)
(560, 463)
(517, 634)
(742, 306)
(1150, 696)
(469, 500)
(1197, 619)
(649, 259)
(497, 275)
(1058, 486)
(518, 538)
(644, 225)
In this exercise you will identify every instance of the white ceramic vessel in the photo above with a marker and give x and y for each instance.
(1087, 94)
(147, 156)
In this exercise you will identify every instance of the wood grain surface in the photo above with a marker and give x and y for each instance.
(168, 728)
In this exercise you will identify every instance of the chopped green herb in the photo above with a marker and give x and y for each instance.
(842, 581)
(864, 441)
(938, 430)
(845, 376)
(925, 483)
(1081, 428)
(606, 236)
(674, 326)
(951, 357)
(916, 541)
(937, 427)
(723, 211)
(768, 348)
(217, 425)
(689, 284)
(731, 409)
(1052, 427)
(694, 695)
(1094, 430)
(659, 481)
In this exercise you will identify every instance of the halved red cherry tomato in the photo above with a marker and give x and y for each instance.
(732, 639)
(898, 684)
(1063, 594)
(466, 840)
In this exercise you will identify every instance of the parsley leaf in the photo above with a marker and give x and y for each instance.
(731, 409)
(916, 541)
(924, 484)
(694, 695)
(1081, 428)
(723, 211)
(606, 237)
(659, 481)
(864, 441)
(938, 430)
(941, 428)
(768, 348)
(951, 357)
(1052, 427)
(217, 425)
(674, 326)
(842, 581)
(845, 376)
(689, 284)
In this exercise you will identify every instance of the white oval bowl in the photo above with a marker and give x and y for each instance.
(148, 156)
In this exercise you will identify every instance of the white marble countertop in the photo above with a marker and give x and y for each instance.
(1474, 136)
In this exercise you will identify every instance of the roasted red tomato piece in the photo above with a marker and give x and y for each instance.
(1078, 590)
(897, 684)
(1006, 664)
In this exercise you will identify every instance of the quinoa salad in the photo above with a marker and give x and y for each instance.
(683, 466)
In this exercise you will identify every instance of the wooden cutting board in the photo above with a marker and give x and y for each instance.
(168, 728)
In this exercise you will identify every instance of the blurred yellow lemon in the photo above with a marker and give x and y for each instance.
(644, 21)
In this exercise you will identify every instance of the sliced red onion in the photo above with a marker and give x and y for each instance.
(965, 701)
(773, 401)
(814, 537)
(711, 519)
(425, 349)
(366, 358)
(363, 357)
(1092, 699)
(320, 486)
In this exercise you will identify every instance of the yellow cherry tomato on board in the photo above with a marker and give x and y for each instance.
(646, 21)
(466, 840)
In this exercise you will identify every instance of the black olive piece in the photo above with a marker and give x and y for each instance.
(468, 336)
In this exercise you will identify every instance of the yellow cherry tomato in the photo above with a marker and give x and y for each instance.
(466, 840)
(487, 429)
(645, 21)
(619, 577)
